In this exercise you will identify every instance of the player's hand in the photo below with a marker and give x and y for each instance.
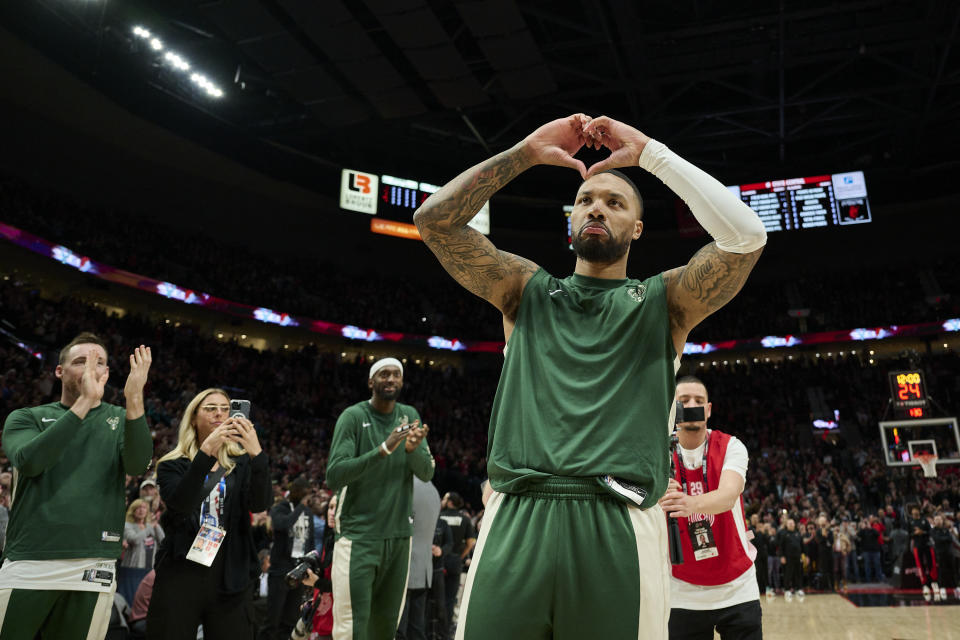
(555, 143)
(415, 436)
(677, 504)
(436, 551)
(140, 361)
(673, 485)
(624, 142)
(223, 433)
(783, 560)
(91, 382)
(246, 436)
(398, 434)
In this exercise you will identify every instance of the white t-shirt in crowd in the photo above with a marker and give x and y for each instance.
(743, 588)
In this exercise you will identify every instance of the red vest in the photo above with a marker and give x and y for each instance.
(732, 560)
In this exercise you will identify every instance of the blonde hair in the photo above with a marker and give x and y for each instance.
(132, 511)
(187, 445)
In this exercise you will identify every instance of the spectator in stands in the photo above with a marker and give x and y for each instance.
(824, 540)
(769, 532)
(943, 544)
(868, 541)
(138, 610)
(66, 522)
(141, 535)
(210, 482)
(755, 534)
(790, 548)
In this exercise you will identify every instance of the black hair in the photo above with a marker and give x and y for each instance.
(692, 379)
(636, 190)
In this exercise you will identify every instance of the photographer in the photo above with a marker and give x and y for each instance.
(292, 520)
(316, 619)
(210, 482)
(716, 586)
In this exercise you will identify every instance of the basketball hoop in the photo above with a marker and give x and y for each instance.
(929, 463)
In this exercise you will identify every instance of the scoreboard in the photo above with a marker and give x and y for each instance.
(393, 200)
(804, 203)
(908, 393)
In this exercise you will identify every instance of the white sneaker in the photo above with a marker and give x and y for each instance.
(788, 596)
(943, 593)
(936, 592)
(800, 595)
(770, 593)
(926, 593)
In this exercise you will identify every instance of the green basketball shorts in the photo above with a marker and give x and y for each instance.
(567, 561)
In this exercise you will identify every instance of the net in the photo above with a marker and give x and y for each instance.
(928, 462)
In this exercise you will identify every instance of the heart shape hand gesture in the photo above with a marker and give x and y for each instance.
(557, 142)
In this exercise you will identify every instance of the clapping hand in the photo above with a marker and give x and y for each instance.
(415, 436)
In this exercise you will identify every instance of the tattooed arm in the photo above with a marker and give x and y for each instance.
(496, 276)
(709, 281)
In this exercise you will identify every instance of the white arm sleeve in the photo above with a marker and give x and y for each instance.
(732, 224)
(736, 458)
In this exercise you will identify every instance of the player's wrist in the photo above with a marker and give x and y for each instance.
(383, 451)
(81, 406)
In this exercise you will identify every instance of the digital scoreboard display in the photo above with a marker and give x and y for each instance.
(908, 393)
(393, 200)
(839, 199)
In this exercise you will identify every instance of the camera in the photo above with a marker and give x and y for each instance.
(310, 561)
(689, 414)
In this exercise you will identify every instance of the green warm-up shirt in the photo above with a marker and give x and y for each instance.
(587, 387)
(374, 493)
(69, 480)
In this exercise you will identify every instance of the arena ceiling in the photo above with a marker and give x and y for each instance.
(752, 89)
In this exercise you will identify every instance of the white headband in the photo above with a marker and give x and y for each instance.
(385, 362)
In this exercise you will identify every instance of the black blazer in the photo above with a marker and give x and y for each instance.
(181, 487)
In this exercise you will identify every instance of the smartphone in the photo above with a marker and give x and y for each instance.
(240, 408)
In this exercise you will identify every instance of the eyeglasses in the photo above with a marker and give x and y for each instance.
(214, 408)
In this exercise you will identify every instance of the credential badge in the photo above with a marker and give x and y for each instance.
(638, 292)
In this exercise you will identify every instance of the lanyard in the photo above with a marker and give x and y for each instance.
(703, 468)
(221, 496)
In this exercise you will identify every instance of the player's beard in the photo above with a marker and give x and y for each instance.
(378, 389)
(603, 249)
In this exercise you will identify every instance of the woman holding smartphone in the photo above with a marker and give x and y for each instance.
(210, 482)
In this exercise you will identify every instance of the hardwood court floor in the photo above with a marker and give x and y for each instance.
(833, 617)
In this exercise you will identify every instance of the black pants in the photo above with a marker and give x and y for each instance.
(946, 575)
(761, 568)
(451, 585)
(186, 595)
(413, 622)
(283, 608)
(739, 622)
(825, 569)
(793, 574)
